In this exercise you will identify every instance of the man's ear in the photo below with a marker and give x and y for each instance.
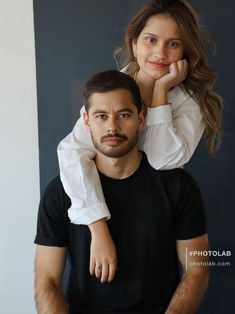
(86, 121)
(142, 116)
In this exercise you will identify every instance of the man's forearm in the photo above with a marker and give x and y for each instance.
(188, 294)
(50, 299)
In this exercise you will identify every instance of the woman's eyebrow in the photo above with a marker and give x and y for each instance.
(170, 38)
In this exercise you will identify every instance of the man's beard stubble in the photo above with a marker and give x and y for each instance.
(115, 152)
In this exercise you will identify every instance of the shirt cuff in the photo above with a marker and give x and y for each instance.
(161, 114)
(90, 215)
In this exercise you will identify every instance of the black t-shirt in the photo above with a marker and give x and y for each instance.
(150, 210)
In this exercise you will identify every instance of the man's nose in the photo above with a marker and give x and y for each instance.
(113, 125)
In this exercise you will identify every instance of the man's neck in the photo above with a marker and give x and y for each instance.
(119, 168)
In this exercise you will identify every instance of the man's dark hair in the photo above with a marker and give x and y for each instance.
(108, 81)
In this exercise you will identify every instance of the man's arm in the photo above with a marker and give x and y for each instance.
(194, 282)
(49, 267)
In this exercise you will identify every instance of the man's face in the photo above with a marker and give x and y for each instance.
(114, 122)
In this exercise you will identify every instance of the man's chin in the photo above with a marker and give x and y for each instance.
(114, 153)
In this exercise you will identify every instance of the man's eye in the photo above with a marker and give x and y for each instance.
(124, 116)
(101, 116)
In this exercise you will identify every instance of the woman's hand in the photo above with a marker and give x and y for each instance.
(103, 259)
(177, 73)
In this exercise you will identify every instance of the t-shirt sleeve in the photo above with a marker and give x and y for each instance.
(190, 220)
(53, 222)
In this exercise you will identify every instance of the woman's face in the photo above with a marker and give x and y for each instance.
(158, 45)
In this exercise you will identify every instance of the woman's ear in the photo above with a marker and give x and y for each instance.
(134, 47)
(86, 121)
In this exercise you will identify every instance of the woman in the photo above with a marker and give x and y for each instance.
(164, 53)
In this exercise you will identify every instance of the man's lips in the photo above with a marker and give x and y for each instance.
(158, 65)
(113, 139)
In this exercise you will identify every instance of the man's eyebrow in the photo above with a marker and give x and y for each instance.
(99, 111)
(126, 110)
(171, 38)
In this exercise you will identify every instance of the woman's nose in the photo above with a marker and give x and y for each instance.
(160, 50)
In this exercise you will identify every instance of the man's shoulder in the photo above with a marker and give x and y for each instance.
(53, 221)
(170, 175)
(174, 181)
(55, 183)
(55, 191)
(176, 174)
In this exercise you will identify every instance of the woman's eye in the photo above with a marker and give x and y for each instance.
(173, 44)
(150, 40)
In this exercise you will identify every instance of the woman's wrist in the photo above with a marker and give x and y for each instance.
(160, 97)
(99, 226)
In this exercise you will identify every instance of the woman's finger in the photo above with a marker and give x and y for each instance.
(98, 270)
(112, 270)
(182, 68)
(92, 266)
(105, 273)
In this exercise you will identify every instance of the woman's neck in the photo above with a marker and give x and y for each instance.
(146, 86)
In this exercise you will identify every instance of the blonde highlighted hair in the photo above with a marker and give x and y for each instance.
(200, 78)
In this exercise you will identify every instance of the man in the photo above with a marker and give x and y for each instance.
(157, 217)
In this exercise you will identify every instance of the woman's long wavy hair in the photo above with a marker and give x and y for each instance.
(200, 78)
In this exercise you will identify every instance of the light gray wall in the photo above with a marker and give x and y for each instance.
(19, 165)
(74, 39)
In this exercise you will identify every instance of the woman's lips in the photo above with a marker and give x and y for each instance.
(158, 65)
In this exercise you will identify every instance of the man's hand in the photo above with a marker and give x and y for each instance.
(103, 259)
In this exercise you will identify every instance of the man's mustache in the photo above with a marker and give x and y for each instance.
(116, 135)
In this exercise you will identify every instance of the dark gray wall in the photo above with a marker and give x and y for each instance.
(75, 39)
